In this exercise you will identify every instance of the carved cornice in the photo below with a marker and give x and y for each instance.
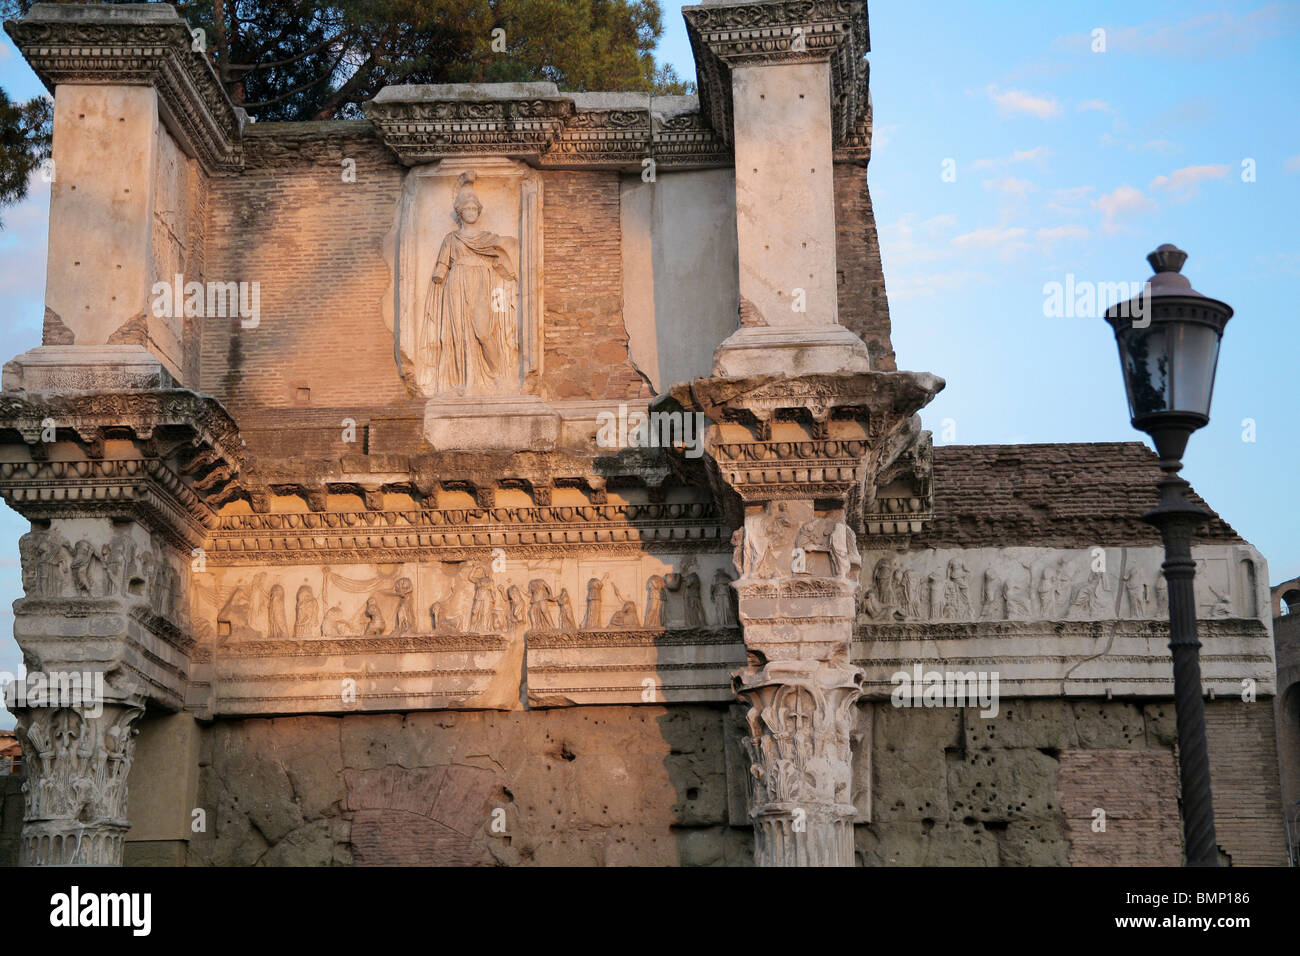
(827, 436)
(787, 31)
(184, 450)
(550, 130)
(107, 46)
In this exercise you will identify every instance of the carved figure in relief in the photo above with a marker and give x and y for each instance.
(626, 615)
(306, 614)
(539, 605)
(775, 529)
(1162, 595)
(882, 582)
(53, 564)
(724, 600)
(501, 610)
(994, 605)
(738, 550)
(654, 601)
(374, 618)
(404, 617)
(113, 556)
(29, 555)
(277, 627)
(336, 624)
(688, 584)
(956, 591)
(468, 339)
(839, 543)
(83, 556)
(480, 615)
(518, 604)
(1135, 590)
(565, 604)
(1089, 597)
(905, 591)
(1017, 596)
(595, 594)
(235, 614)
(1220, 605)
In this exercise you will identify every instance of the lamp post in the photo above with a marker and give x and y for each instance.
(1168, 348)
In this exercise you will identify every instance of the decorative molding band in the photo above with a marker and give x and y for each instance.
(536, 123)
(114, 46)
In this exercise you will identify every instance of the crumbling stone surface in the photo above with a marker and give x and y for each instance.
(592, 786)
(1019, 788)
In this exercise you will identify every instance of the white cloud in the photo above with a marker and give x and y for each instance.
(1210, 34)
(1017, 101)
(883, 135)
(1035, 155)
(1186, 182)
(990, 238)
(1098, 106)
(1162, 146)
(1057, 233)
(1010, 185)
(1123, 204)
(1293, 164)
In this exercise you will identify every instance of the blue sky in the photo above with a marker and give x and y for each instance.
(1074, 161)
(1066, 161)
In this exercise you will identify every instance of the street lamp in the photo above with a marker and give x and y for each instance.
(1168, 348)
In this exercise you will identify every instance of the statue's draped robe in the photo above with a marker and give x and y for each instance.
(468, 342)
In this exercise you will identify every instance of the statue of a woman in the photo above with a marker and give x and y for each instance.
(468, 343)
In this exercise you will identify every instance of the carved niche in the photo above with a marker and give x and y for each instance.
(465, 304)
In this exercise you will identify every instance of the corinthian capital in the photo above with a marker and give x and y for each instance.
(800, 719)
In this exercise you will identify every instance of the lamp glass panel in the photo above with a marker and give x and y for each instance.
(1145, 356)
(1195, 354)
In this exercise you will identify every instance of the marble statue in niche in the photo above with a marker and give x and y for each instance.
(468, 337)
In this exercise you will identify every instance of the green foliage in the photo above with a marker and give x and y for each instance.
(298, 60)
(24, 142)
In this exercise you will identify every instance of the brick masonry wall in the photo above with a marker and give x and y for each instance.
(314, 242)
(1245, 781)
(586, 346)
(863, 303)
(1049, 495)
(1137, 791)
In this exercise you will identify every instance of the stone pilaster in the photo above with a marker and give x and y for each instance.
(118, 475)
(803, 431)
(140, 124)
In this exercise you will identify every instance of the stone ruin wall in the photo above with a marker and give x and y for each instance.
(532, 624)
